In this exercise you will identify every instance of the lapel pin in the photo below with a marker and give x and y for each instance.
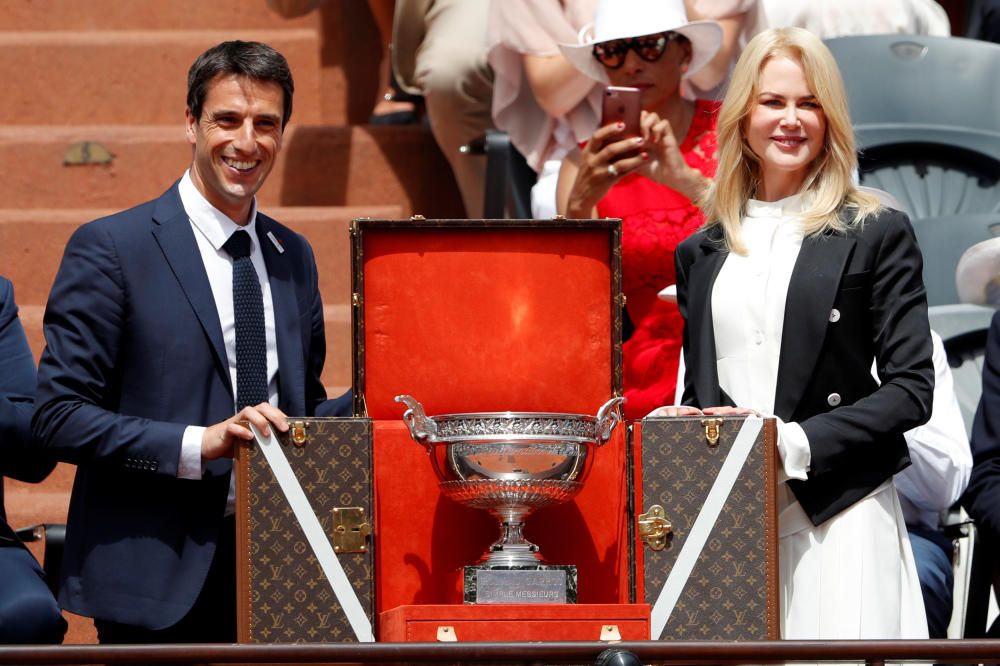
(277, 244)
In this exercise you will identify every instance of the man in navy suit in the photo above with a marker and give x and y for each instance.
(28, 612)
(138, 382)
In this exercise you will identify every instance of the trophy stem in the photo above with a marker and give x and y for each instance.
(512, 549)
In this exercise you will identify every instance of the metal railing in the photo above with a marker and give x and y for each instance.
(875, 653)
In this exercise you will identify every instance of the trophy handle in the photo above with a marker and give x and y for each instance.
(608, 416)
(422, 427)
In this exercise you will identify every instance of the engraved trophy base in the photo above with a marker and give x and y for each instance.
(520, 584)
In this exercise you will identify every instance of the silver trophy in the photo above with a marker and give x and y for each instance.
(511, 463)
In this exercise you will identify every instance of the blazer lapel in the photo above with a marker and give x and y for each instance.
(811, 294)
(176, 238)
(701, 332)
(284, 300)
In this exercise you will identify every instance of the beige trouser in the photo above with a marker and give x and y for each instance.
(439, 51)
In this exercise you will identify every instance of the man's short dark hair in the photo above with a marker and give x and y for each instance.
(253, 60)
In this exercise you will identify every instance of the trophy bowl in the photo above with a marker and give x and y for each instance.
(511, 463)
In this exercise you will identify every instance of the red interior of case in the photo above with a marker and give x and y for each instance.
(487, 319)
(423, 540)
(515, 622)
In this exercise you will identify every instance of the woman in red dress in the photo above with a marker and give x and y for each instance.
(651, 180)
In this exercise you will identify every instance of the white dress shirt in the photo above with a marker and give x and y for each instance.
(748, 315)
(939, 451)
(212, 229)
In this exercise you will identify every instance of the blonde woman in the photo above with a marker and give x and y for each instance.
(796, 283)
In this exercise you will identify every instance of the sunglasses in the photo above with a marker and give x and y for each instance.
(650, 48)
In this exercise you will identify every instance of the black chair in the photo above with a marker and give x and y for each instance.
(924, 110)
(508, 177)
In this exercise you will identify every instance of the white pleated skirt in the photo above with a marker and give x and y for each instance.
(852, 577)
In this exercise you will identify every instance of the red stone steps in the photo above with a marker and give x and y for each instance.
(102, 15)
(129, 77)
(318, 166)
(337, 75)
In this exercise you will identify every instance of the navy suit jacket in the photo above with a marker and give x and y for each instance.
(134, 355)
(871, 275)
(982, 497)
(18, 458)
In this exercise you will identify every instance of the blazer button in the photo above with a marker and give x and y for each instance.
(834, 315)
(833, 399)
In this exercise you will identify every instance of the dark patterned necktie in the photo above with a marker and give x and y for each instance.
(248, 309)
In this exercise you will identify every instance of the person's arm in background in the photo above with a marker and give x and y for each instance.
(18, 458)
(939, 450)
(732, 15)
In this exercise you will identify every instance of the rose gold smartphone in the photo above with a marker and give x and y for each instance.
(621, 104)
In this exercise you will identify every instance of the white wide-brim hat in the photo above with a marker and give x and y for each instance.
(977, 277)
(621, 19)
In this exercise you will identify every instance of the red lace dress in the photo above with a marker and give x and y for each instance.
(655, 219)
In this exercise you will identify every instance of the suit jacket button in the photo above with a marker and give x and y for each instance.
(834, 315)
(833, 399)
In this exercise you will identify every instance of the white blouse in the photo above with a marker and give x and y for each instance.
(748, 314)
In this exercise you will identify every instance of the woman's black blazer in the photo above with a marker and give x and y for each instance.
(854, 297)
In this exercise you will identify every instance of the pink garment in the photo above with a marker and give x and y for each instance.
(536, 27)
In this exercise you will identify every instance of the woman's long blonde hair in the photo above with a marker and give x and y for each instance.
(830, 177)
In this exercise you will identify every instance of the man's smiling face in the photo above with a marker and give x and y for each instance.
(236, 141)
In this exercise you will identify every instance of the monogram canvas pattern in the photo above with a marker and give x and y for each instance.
(288, 598)
(732, 591)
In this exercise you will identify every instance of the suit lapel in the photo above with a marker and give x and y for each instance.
(176, 238)
(701, 334)
(284, 300)
(811, 294)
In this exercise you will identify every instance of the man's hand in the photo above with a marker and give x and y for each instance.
(221, 439)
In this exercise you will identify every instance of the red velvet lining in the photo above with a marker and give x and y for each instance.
(487, 319)
(423, 540)
(514, 622)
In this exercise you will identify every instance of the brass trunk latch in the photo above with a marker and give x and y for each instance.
(350, 530)
(654, 528)
(298, 429)
(712, 428)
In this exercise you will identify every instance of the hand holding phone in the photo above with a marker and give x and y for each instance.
(622, 105)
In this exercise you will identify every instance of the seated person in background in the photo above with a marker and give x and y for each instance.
(28, 612)
(740, 21)
(439, 52)
(841, 18)
(649, 181)
(941, 463)
(540, 99)
(978, 279)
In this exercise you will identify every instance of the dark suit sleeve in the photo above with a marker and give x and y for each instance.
(79, 384)
(18, 458)
(902, 345)
(982, 498)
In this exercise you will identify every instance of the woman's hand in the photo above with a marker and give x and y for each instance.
(675, 410)
(607, 157)
(684, 410)
(666, 164)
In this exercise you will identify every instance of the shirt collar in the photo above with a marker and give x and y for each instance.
(213, 224)
(787, 207)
